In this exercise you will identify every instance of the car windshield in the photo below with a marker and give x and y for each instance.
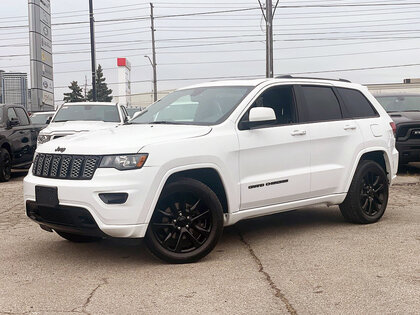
(40, 118)
(400, 103)
(195, 106)
(107, 113)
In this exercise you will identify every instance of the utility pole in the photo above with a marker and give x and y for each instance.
(152, 20)
(92, 50)
(268, 16)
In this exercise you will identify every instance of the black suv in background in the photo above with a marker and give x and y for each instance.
(404, 109)
(17, 139)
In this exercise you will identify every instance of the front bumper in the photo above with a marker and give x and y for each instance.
(117, 220)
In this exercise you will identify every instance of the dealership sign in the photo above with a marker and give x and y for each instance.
(42, 81)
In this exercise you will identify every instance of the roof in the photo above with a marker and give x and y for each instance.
(255, 82)
(395, 94)
(90, 103)
(39, 113)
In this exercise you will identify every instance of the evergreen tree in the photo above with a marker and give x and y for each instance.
(102, 91)
(75, 95)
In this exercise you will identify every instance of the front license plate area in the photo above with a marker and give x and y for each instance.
(46, 196)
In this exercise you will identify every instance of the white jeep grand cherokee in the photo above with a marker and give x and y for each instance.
(209, 155)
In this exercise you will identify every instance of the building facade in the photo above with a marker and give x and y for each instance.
(14, 88)
(408, 86)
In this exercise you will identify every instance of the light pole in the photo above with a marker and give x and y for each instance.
(92, 50)
(154, 78)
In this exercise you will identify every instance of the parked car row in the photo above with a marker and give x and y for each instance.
(20, 133)
(208, 156)
(18, 137)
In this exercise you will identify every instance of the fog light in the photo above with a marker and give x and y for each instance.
(114, 198)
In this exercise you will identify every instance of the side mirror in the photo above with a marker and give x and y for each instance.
(13, 122)
(258, 116)
(261, 114)
(48, 120)
(126, 119)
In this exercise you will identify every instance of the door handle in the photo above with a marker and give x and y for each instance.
(298, 132)
(350, 127)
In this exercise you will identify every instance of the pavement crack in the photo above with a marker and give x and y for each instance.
(104, 281)
(277, 291)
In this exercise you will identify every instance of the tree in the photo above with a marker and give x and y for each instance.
(76, 93)
(102, 91)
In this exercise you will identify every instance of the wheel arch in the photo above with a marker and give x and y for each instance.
(208, 174)
(378, 155)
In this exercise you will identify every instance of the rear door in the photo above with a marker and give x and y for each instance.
(274, 158)
(335, 140)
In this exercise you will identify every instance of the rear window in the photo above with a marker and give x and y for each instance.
(322, 104)
(356, 103)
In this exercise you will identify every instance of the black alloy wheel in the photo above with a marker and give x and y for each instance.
(187, 222)
(367, 198)
(5, 165)
(372, 195)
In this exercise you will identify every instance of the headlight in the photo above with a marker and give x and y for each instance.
(42, 139)
(124, 162)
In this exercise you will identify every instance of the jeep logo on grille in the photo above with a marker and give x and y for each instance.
(61, 150)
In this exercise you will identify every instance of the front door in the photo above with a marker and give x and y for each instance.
(274, 159)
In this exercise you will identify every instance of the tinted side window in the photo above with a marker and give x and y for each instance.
(23, 119)
(321, 103)
(11, 114)
(356, 103)
(281, 100)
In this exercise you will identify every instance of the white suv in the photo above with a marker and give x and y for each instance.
(72, 118)
(209, 155)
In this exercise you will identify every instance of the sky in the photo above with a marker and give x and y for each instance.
(324, 38)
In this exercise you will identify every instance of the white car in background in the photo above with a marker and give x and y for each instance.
(73, 118)
(41, 118)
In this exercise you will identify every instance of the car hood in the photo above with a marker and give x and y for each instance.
(403, 117)
(121, 139)
(70, 127)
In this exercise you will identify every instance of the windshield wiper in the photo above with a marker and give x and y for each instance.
(164, 122)
(60, 120)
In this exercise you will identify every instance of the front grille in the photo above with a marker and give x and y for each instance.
(65, 166)
(415, 134)
(409, 131)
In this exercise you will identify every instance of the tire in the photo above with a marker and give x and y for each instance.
(367, 197)
(77, 238)
(187, 222)
(5, 165)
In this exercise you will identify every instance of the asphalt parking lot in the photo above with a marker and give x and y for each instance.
(308, 261)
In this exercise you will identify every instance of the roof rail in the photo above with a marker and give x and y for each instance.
(288, 76)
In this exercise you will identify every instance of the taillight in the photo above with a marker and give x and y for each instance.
(394, 128)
